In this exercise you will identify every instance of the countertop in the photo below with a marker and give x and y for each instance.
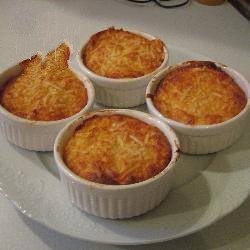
(218, 32)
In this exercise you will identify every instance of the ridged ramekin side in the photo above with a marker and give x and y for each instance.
(209, 144)
(25, 138)
(119, 98)
(114, 206)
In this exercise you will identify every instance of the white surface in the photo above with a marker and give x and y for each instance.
(219, 189)
(222, 184)
(218, 32)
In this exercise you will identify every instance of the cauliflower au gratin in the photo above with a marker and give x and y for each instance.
(115, 53)
(199, 93)
(46, 90)
(117, 149)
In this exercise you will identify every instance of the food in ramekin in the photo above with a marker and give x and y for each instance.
(38, 96)
(116, 53)
(46, 90)
(204, 102)
(120, 63)
(116, 163)
(117, 149)
(199, 93)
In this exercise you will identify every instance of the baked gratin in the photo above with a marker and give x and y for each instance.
(46, 90)
(199, 93)
(116, 150)
(115, 53)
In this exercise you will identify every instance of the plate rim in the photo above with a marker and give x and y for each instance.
(123, 243)
(135, 241)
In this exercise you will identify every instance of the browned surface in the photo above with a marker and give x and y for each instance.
(199, 93)
(117, 149)
(46, 90)
(116, 53)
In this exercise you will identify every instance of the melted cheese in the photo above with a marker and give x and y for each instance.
(199, 93)
(46, 90)
(116, 53)
(117, 149)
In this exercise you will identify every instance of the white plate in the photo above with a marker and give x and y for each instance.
(206, 189)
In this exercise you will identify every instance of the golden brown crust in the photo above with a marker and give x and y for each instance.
(117, 149)
(58, 58)
(199, 93)
(45, 90)
(116, 53)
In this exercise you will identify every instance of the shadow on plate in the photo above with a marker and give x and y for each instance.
(43, 160)
(222, 232)
(177, 213)
(48, 162)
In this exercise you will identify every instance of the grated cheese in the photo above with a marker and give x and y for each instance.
(45, 90)
(199, 93)
(122, 152)
(116, 53)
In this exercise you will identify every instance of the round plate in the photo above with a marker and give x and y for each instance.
(206, 189)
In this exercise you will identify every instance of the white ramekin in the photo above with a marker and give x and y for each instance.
(116, 201)
(203, 139)
(36, 135)
(121, 93)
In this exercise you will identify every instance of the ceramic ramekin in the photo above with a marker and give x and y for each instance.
(121, 93)
(203, 139)
(116, 201)
(36, 135)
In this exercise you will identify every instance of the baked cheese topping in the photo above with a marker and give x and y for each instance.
(117, 149)
(199, 93)
(46, 90)
(116, 53)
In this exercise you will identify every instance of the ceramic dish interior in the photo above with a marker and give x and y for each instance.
(203, 139)
(122, 93)
(37, 135)
(116, 201)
